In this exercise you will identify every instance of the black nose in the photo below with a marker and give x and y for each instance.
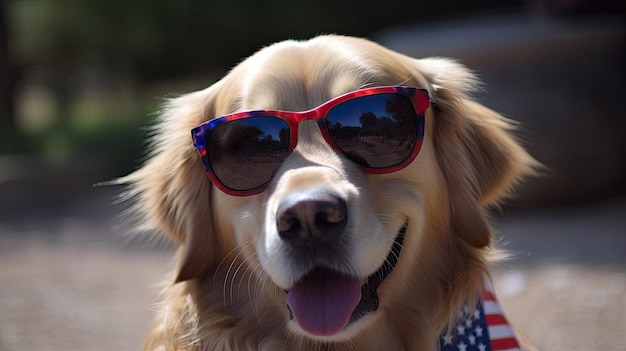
(311, 219)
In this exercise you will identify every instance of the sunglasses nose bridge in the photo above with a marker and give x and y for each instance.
(298, 117)
(312, 141)
(313, 114)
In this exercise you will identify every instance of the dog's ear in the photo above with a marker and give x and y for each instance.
(479, 157)
(171, 191)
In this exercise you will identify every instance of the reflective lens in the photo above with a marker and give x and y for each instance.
(375, 131)
(246, 153)
(378, 128)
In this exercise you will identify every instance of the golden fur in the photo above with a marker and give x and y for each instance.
(225, 294)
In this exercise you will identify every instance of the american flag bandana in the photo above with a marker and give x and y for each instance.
(484, 329)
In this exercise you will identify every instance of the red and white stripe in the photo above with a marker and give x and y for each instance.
(501, 334)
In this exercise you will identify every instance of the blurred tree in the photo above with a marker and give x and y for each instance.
(7, 115)
(162, 38)
(86, 67)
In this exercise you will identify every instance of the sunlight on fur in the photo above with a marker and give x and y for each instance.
(233, 269)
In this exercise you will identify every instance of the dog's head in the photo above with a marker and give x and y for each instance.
(346, 246)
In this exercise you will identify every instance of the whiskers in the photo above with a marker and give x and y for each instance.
(243, 281)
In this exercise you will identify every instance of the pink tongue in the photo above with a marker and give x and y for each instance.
(323, 301)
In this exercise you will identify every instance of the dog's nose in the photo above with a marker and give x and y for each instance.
(311, 218)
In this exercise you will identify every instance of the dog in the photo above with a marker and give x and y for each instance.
(328, 194)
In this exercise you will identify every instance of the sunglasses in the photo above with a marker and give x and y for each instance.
(379, 129)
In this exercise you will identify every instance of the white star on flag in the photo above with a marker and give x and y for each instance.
(484, 329)
(462, 346)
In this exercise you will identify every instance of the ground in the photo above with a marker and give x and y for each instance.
(71, 279)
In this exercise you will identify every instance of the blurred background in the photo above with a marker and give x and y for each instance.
(80, 81)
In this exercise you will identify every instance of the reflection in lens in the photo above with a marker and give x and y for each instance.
(244, 154)
(375, 131)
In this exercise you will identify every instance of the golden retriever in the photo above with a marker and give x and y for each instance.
(303, 243)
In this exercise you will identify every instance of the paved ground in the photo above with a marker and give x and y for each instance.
(566, 287)
(71, 280)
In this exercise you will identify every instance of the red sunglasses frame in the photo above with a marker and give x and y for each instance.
(418, 97)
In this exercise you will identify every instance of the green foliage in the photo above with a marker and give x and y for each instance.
(119, 139)
(93, 60)
(164, 38)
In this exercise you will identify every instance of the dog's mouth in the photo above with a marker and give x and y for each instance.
(324, 302)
